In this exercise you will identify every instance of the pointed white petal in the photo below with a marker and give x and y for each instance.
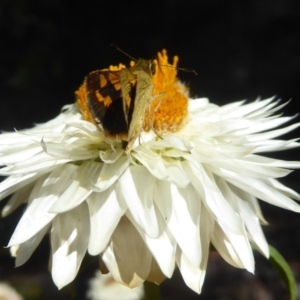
(178, 143)
(247, 109)
(127, 257)
(69, 151)
(110, 156)
(106, 210)
(253, 225)
(261, 190)
(235, 249)
(197, 104)
(46, 191)
(192, 275)
(38, 164)
(271, 134)
(85, 178)
(110, 173)
(155, 275)
(15, 182)
(69, 241)
(213, 198)
(163, 248)
(18, 155)
(137, 187)
(265, 125)
(257, 169)
(19, 197)
(283, 189)
(104, 287)
(181, 210)
(176, 174)
(152, 161)
(26, 249)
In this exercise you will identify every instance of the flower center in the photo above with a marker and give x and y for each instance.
(169, 108)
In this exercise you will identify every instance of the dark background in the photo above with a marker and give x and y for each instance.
(240, 49)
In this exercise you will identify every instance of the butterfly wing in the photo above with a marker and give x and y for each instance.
(143, 95)
(105, 102)
(128, 86)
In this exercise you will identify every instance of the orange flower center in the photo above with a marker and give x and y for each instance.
(167, 112)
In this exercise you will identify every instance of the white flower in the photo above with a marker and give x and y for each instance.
(103, 287)
(158, 207)
(8, 293)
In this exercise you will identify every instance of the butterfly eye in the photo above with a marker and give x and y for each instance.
(152, 68)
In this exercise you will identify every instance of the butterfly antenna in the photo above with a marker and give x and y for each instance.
(125, 53)
(181, 69)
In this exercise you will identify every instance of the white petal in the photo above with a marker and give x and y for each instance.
(155, 275)
(26, 249)
(106, 210)
(19, 197)
(261, 190)
(206, 229)
(152, 161)
(274, 145)
(43, 196)
(18, 155)
(69, 240)
(104, 287)
(137, 186)
(111, 155)
(271, 134)
(15, 182)
(252, 224)
(178, 143)
(110, 173)
(244, 167)
(255, 126)
(192, 275)
(283, 189)
(267, 110)
(68, 152)
(235, 249)
(197, 104)
(85, 178)
(247, 109)
(163, 248)
(176, 173)
(37, 164)
(127, 257)
(255, 203)
(181, 210)
(213, 198)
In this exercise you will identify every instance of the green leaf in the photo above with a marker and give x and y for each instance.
(284, 271)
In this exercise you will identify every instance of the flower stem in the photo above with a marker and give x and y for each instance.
(151, 291)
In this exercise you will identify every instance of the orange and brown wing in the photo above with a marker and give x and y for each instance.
(104, 100)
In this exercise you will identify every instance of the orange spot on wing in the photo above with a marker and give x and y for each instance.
(105, 100)
(82, 103)
(103, 81)
(117, 86)
(114, 77)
